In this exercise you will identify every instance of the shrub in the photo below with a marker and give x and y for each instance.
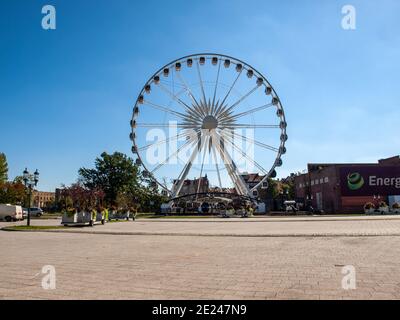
(70, 211)
(369, 205)
(382, 204)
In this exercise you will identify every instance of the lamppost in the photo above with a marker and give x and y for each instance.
(309, 202)
(284, 195)
(30, 182)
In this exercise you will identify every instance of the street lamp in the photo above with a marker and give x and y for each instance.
(30, 182)
(281, 195)
(309, 202)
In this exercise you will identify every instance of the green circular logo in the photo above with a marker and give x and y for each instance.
(355, 181)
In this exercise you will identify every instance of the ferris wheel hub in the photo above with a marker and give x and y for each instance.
(210, 122)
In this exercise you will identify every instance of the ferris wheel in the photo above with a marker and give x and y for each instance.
(208, 115)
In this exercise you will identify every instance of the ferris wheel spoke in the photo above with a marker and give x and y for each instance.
(245, 113)
(188, 91)
(245, 96)
(170, 83)
(226, 111)
(215, 88)
(175, 153)
(258, 143)
(179, 101)
(201, 82)
(196, 108)
(166, 109)
(228, 93)
(164, 141)
(185, 125)
(250, 126)
(230, 141)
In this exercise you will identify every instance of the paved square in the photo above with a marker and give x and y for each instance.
(110, 266)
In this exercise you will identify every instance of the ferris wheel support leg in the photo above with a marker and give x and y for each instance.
(231, 167)
(177, 188)
(216, 165)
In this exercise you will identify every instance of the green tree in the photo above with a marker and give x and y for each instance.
(3, 168)
(272, 188)
(114, 174)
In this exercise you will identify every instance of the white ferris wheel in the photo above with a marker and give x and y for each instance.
(208, 114)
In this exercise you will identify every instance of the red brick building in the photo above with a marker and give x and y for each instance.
(345, 188)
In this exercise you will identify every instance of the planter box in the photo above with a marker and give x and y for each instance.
(384, 210)
(118, 216)
(80, 217)
(99, 217)
(69, 218)
(230, 213)
(84, 217)
(112, 215)
(123, 216)
(369, 211)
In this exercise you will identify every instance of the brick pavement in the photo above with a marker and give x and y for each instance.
(300, 226)
(98, 266)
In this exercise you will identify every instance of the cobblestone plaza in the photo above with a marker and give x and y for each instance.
(264, 258)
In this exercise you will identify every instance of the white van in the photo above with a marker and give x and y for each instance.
(10, 213)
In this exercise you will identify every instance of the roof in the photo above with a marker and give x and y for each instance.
(320, 166)
(204, 180)
(252, 177)
(395, 159)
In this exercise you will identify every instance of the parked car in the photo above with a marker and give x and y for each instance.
(10, 212)
(36, 212)
(24, 213)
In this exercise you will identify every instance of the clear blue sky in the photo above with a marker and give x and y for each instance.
(66, 95)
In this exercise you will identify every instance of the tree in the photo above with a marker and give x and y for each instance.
(114, 174)
(272, 188)
(289, 186)
(79, 197)
(12, 193)
(3, 168)
(124, 185)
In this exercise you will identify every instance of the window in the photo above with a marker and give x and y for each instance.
(312, 182)
(326, 179)
(321, 181)
(316, 181)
